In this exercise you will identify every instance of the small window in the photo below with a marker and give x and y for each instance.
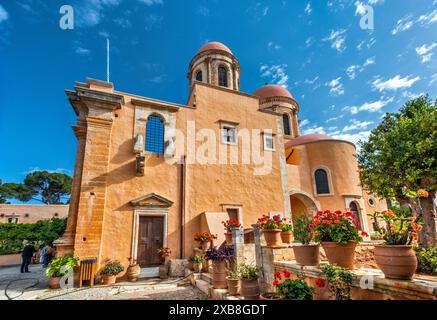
(155, 135)
(229, 135)
(199, 76)
(223, 77)
(322, 183)
(26, 215)
(371, 202)
(286, 121)
(232, 213)
(12, 220)
(56, 214)
(269, 142)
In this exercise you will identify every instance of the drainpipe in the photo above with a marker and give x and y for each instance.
(182, 206)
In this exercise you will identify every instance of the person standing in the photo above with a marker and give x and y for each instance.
(26, 256)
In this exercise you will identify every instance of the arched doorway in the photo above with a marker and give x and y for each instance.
(301, 203)
(354, 207)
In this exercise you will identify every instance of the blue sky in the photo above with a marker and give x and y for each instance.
(344, 77)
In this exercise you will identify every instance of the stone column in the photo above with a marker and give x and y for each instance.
(91, 205)
(259, 258)
(238, 243)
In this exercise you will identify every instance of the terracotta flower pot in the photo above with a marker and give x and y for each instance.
(286, 236)
(219, 274)
(205, 245)
(191, 265)
(163, 271)
(342, 255)
(54, 282)
(397, 262)
(133, 272)
(250, 289)
(307, 254)
(228, 237)
(269, 296)
(272, 237)
(108, 279)
(234, 286)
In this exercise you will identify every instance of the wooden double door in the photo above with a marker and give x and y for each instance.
(150, 240)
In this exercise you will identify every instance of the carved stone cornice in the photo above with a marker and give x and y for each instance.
(79, 131)
(172, 107)
(98, 122)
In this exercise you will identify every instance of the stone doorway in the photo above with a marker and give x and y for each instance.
(302, 204)
(150, 239)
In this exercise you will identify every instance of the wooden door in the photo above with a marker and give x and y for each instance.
(150, 239)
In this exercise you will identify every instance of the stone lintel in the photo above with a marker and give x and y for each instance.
(156, 104)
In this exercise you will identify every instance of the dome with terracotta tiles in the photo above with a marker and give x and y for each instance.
(214, 45)
(307, 138)
(272, 90)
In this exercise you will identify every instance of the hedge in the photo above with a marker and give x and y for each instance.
(12, 234)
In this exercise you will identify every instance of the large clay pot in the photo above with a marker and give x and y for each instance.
(306, 254)
(205, 245)
(133, 272)
(286, 236)
(250, 289)
(397, 262)
(272, 237)
(228, 237)
(54, 282)
(269, 296)
(108, 279)
(191, 265)
(163, 271)
(339, 254)
(219, 274)
(234, 286)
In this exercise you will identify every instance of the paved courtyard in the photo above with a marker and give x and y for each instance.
(34, 286)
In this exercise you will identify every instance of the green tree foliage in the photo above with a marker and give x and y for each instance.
(400, 157)
(12, 234)
(44, 186)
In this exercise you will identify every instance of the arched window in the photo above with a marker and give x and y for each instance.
(199, 75)
(286, 121)
(155, 135)
(354, 208)
(222, 77)
(322, 183)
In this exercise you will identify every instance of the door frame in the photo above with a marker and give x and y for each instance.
(159, 212)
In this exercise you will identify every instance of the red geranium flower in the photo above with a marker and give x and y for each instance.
(277, 274)
(275, 283)
(320, 283)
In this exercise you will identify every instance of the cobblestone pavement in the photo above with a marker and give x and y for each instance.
(34, 286)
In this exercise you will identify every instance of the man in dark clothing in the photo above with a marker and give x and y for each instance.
(26, 256)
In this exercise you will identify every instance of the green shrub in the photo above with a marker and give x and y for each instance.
(248, 272)
(12, 234)
(112, 268)
(301, 231)
(427, 258)
(61, 266)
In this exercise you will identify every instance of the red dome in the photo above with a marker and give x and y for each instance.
(214, 46)
(272, 90)
(307, 138)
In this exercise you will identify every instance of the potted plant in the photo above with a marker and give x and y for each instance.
(110, 271)
(305, 252)
(248, 275)
(339, 234)
(234, 283)
(58, 268)
(205, 239)
(271, 229)
(219, 257)
(229, 225)
(198, 263)
(164, 253)
(286, 233)
(191, 263)
(133, 270)
(396, 257)
(339, 281)
(289, 289)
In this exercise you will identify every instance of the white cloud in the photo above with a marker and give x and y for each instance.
(90, 13)
(371, 2)
(203, 11)
(355, 124)
(360, 8)
(276, 73)
(424, 52)
(394, 83)
(336, 87)
(308, 9)
(337, 39)
(411, 96)
(309, 42)
(82, 51)
(433, 80)
(304, 122)
(152, 20)
(369, 106)
(3, 14)
(354, 69)
(428, 18)
(315, 129)
(123, 22)
(273, 45)
(334, 118)
(408, 22)
(368, 43)
(151, 2)
(354, 138)
(403, 24)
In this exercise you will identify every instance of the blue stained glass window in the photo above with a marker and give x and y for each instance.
(155, 135)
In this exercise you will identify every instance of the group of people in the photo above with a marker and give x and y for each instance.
(45, 253)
